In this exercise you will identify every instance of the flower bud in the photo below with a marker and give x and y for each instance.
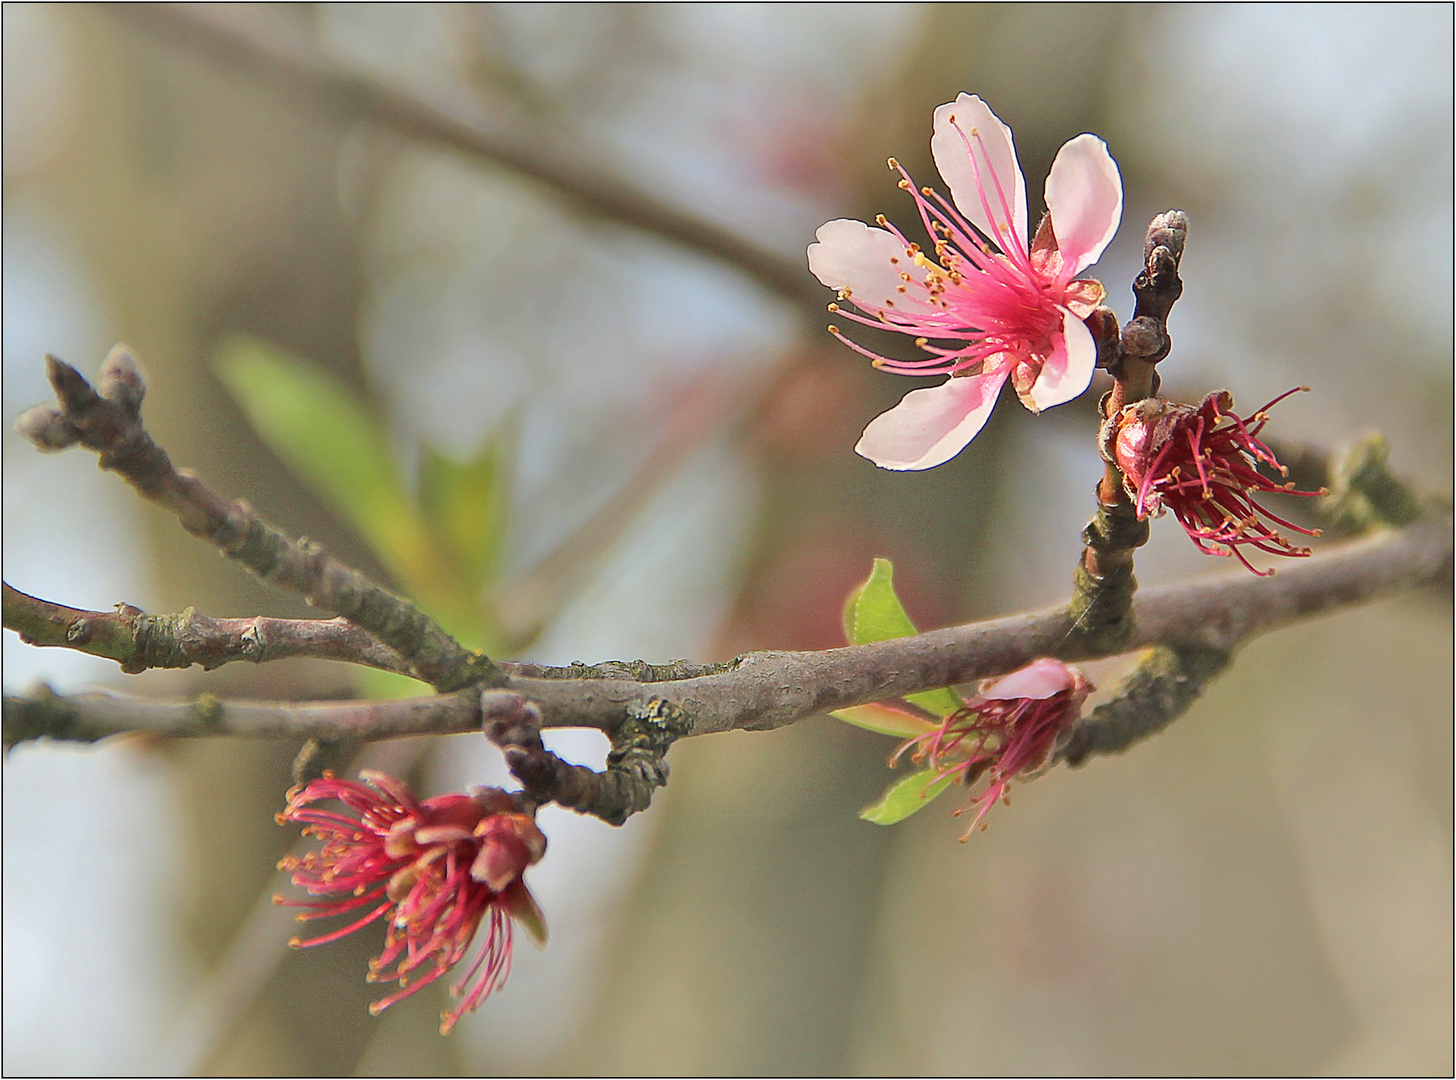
(47, 428)
(121, 381)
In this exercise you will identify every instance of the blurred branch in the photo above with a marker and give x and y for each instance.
(107, 420)
(768, 690)
(267, 47)
(695, 416)
(138, 641)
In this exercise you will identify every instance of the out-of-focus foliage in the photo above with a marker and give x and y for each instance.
(441, 544)
(1264, 888)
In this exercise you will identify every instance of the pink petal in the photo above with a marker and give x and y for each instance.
(1084, 195)
(933, 425)
(976, 128)
(867, 263)
(1039, 679)
(1068, 370)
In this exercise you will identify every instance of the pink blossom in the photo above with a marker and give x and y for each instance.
(433, 870)
(1201, 463)
(986, 307)
(1009, 729)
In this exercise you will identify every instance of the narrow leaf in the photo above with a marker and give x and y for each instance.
(886, 720)
(905, 797)
(874, 613)
(466, 502)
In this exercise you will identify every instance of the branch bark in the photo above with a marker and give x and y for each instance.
(107, 420)
(768, 690)
(139, 641)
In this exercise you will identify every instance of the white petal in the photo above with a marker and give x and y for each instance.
(1038, 680)
(976, 128)
(933, 425)
(1068, 370)
(867, 263)
(1084, 195)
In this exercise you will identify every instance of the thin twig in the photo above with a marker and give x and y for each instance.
(139, 641)
(109, 423)
(263, 45)
(1104, 579)
(636, 765)
(773, 689)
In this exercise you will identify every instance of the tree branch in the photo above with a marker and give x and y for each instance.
(109, 423)
(768, 690)
(1103, 578)
(138, 641)
(263, 46)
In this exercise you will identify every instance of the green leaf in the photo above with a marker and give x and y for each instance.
(905, 797)
(874, 613)
(329, 436)
(886, 720)
(466, 503)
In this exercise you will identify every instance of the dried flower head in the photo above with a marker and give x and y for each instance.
(432, 870)
(982, 304)
(1202, 462)
(1008, 729)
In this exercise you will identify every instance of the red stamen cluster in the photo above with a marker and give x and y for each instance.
(434, 870)
(1201, 462)
(1009, 729)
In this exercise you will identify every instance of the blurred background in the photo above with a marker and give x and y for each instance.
(656, 446)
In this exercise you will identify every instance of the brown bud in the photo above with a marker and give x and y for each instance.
(1145, 338)
(71, 387)
(1169, 230)
(1102, 323)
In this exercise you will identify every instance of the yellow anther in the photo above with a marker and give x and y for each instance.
(927, 191)
(833, 307)
(834, 329)
(904, 185)
(880, 219)
(892, 163)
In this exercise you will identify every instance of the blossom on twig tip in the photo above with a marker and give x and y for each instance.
(1008, 729)
(1201, 462)
(1003, 309)
(434, 870)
